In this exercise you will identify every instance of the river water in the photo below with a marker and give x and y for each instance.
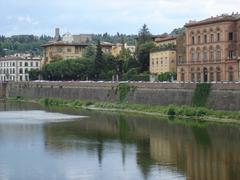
(64, 144)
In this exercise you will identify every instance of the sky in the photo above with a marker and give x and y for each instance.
(99, 16)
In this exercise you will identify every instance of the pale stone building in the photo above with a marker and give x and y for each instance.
(212, 50)
(68, 47)
(14, 68)
(164, 59)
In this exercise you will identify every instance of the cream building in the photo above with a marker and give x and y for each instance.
(116, 49)
(162, 62)
(14, 68)
(164, 59)
(68, 47)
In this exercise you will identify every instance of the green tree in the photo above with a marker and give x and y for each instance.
(144, 35)
(34, 74)
(167, 76)
(143, 53)
(98, 60)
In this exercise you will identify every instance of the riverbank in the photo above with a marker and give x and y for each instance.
(188, 112)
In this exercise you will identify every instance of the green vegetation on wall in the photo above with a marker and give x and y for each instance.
(200, 94)
(122, 90)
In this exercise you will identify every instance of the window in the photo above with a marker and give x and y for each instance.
(20, 71)
(212, 38)
(218, 37)
(36, 63)
(198, 55)
(193, 40)
(69, 50)
(218, 54)
(192, 55)
(199, 39)
(231, 54)
(218, 74)
(230, 36)
(20, 64)
(26, 64)
(205, 38)
(211, 55)
(193, 77)
(230, 73)
(31, 64)
(205, 55)
(211, 76)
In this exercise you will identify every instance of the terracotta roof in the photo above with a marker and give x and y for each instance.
(14, 58)
(61, 43)
(166, 38)
(224, 17)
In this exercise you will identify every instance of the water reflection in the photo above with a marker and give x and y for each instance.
(116, 146)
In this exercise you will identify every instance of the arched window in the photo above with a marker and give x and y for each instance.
(192, 75)
(192, 55)
(230, 74)
(211, 55)
(211, 78)
(218, 53)
(204, 54)
(218, 74)
(182, 75)
(198, 55)
(198, 75)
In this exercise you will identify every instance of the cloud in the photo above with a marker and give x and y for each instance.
(98, 16)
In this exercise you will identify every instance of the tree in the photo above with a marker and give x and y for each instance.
(34, 74)
(90, 51)
(167, 76)
(143, 53)
(144, 35)
(2, 53)
(98, 60)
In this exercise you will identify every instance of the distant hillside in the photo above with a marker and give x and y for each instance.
(22, 44)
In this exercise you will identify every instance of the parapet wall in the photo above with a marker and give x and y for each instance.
(224, 96)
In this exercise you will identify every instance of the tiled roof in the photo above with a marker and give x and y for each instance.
(14, 58)
(61, 43)
(224, 17)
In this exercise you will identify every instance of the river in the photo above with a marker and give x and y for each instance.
(38, 142)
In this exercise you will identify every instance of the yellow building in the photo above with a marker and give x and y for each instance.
(117, 48)
(62, 50)
(162, 61)
(162, 40)
(66, 47)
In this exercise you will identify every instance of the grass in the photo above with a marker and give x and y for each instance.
(170, 110)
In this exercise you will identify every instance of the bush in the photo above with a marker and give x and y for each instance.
(171, 111)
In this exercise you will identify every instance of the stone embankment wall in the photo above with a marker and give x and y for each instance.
(3, 92)
(225, 96)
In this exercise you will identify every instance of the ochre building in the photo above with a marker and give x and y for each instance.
(212, 50)
(164, 59)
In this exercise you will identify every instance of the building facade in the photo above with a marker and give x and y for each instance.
(162, 62)
(212, 50)
(17, 68)
(164, 59)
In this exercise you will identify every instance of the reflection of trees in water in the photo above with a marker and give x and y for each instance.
(207, 152)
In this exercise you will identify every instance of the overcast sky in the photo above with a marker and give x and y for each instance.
(98, 16)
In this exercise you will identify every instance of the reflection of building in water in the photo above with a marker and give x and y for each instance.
(210, 153)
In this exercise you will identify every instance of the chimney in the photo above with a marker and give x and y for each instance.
(57, 34)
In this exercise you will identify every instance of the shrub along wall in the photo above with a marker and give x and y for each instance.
(215, 96)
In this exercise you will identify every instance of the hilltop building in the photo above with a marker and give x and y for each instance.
(212, 50)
